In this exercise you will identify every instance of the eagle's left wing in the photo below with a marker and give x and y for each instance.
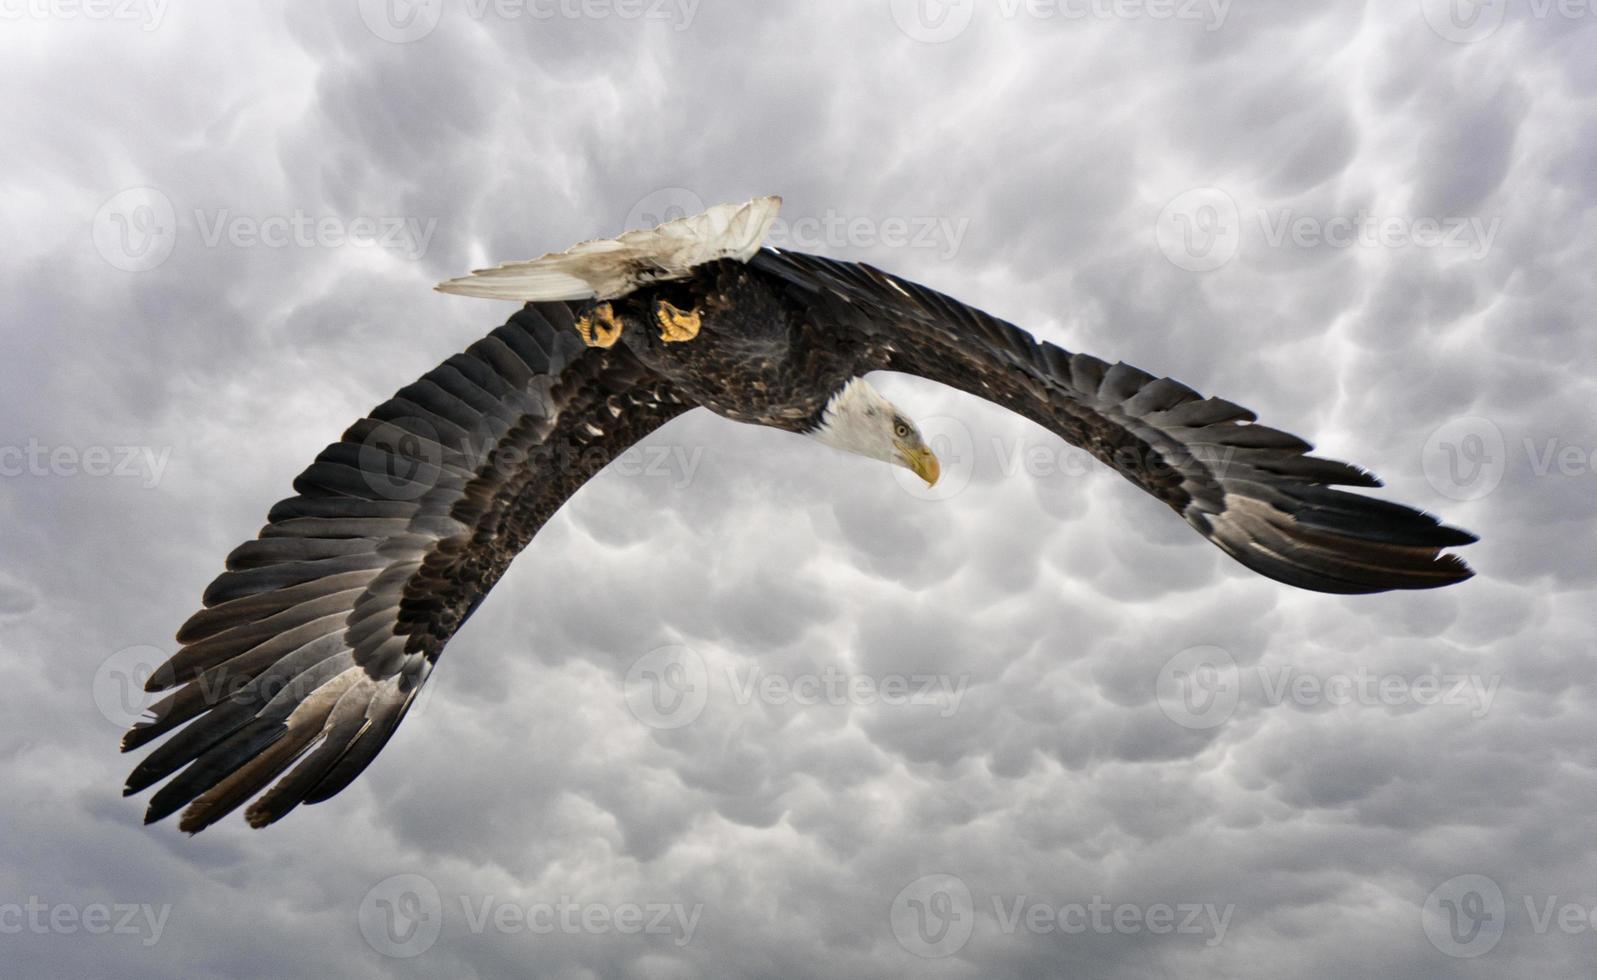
(1252, 490)
(313, 644)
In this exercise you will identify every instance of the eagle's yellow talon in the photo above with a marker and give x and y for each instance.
(599, 328)
(676, 326)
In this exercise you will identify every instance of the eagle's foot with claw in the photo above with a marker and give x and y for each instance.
(599, 326)
(676, 326)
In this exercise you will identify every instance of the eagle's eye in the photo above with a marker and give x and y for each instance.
(901, 430)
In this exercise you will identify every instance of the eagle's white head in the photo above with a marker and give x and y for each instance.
(859, 420)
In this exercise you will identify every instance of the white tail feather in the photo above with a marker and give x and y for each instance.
(613, 267)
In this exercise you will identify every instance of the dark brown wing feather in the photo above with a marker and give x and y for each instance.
(315, 641)
(1252, 490)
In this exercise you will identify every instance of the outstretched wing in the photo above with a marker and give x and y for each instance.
(1252, 490)
(313, 644)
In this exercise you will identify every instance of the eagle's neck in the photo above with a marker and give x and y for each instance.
(856, 419)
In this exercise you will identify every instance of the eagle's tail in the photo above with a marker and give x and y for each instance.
(613, 267)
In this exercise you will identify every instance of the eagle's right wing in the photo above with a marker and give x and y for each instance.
(313, 644)
(1251, 490)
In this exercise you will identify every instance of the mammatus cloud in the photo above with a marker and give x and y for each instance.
(748, 707)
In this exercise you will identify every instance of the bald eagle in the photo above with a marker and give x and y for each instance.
(314, 642)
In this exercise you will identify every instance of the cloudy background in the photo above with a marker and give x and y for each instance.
(687, 736)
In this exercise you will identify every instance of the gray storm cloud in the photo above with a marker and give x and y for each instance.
(987, 734)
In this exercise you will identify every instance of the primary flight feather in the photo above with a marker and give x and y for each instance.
(316, 639)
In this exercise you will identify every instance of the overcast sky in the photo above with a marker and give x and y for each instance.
(749, 707)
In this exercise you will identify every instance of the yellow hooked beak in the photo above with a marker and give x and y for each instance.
(921, 459)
